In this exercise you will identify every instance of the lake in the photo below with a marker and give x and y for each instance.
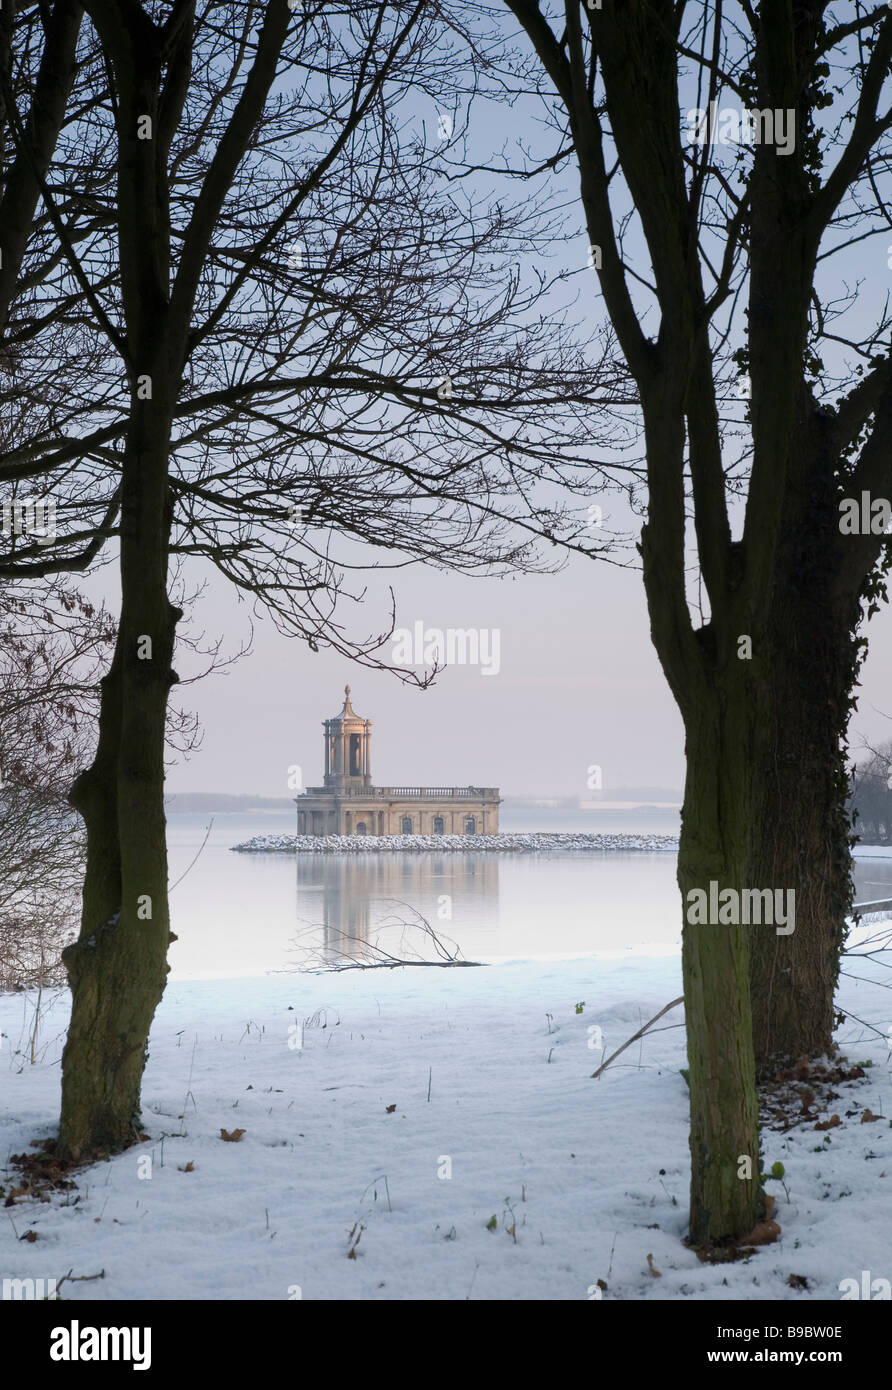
(246, 914)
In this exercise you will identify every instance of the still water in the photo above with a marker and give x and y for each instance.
(246, 914)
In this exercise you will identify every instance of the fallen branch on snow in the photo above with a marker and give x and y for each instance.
(636, 1036)
(370, 955)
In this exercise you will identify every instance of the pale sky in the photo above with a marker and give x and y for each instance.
(578, 685)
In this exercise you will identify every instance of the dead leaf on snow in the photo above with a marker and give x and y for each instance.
(232, 1138)
(766, 1233)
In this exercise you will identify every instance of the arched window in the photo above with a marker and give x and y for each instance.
(470, 825)
(407, 825)
(360, 828)
(438, 825)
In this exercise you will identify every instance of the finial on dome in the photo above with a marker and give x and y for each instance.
(347, 691)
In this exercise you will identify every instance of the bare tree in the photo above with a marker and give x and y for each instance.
(690, 233)
(293, 352)
(52, 645)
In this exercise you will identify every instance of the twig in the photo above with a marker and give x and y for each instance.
(79, 1278)
(636, 1036)
(373, 956)
(382, 1177)
(863, 1023)
(189, 1085)
(195, 860)
(387, 965)
(36, 1021)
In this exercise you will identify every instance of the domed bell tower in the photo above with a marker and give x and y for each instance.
(348, 740)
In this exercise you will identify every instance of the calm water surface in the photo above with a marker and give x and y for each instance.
(246, 914)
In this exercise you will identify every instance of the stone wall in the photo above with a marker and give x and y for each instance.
(324, 815)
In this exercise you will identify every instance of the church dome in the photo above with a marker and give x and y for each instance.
(348, 712)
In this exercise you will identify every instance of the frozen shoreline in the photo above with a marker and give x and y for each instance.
(524, 843)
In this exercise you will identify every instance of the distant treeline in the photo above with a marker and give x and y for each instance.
(224, 801)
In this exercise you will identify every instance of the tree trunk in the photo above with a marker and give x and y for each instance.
(802, 832)
(803, 844)
(715, 967)
(117, 968)
(88, 1097)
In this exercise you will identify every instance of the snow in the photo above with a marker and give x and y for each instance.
(593, 1175)
(555, 841)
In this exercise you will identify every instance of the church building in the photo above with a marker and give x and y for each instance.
(350, 804)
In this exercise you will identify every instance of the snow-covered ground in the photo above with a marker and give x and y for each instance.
(449, 1119)
(523, 842)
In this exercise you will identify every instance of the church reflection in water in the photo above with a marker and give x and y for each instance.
(351, 905)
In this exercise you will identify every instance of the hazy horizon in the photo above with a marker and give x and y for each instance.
(633, 795)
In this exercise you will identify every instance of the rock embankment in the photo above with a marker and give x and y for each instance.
(402, 844)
